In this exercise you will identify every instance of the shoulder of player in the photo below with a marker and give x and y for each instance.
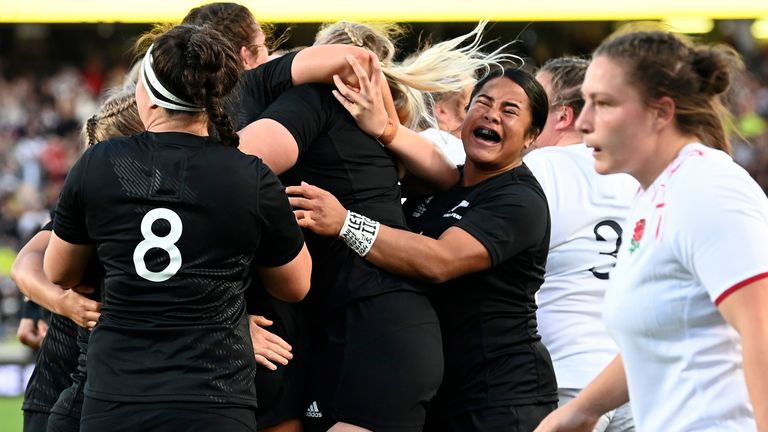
(256, 77)
(314, 95)
(250, 165)
(106, 145)
(511, 187)
(707, 170)
(712, 186)
(559, 158)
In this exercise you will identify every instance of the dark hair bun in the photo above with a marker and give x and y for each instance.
(712, 66)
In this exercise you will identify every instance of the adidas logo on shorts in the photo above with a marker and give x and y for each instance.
(313, 411)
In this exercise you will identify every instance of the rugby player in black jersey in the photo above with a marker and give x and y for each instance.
(57, 355)
(281, 391)
(54, 393)
(180, 222)
(484, 245)
(33, 324)
(352, 302)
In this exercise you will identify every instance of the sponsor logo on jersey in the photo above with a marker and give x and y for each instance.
(452, 212)
(421, 208)
(313, 411)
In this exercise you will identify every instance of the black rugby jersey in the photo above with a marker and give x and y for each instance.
(178, 221)
(336, 155)
(493, 354)
(70, 403)
(56, 360)
(259, 87)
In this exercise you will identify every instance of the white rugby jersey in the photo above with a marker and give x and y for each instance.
(452, 146)
(588, 213)
(697, 234)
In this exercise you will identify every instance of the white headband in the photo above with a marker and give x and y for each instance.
(159, 95)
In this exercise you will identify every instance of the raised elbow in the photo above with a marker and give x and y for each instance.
(363, 56)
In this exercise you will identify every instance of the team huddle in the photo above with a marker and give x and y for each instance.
(576, 251)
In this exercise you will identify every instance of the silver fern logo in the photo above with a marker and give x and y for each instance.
(452, 212)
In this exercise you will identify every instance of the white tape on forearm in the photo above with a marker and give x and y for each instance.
(359, 232)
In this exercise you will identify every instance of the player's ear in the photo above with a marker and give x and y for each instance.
(566, 117)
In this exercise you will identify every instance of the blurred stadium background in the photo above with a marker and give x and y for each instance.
(56, 59)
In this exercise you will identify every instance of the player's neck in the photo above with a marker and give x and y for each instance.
(182, 123)
(570, 138)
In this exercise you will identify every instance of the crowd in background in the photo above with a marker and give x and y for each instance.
(41, 114)
(40, 123)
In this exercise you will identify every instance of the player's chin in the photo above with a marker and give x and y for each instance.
(603, 165)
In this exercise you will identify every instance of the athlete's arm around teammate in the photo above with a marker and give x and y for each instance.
(28, 274)
(455, 252)
(484, 244)
(190, 217)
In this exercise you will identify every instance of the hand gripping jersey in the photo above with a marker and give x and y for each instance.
(493, 353)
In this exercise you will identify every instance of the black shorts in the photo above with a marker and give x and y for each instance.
(35, 421)
(62, 423)
(65, 414)
(514, 418)
(70, 401)
(283, 394)
(379, 365)
(99, 416)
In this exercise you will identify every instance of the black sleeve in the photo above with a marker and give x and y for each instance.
(33, 311)
(303, 111)
(69, 217)
(261, 86)
(255, 292)
(48, 226)
(281, 238)
(508, 222)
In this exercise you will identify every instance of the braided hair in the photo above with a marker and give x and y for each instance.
(197, 64)
(117, 116)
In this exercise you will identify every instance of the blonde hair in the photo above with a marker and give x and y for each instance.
(117, 116)
(448, 66)
(145, 40)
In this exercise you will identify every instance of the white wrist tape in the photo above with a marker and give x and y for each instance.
(359, 232)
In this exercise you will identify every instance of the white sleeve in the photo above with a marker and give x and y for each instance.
(543, 169)
(720, 230)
